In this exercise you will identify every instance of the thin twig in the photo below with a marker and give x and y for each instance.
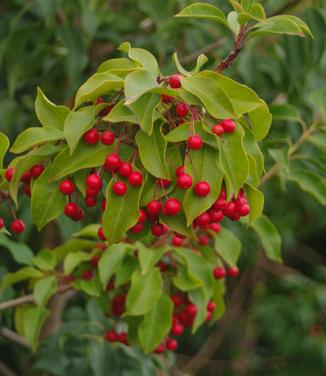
(14, 337)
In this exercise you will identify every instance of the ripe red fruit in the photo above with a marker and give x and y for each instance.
(37, 170)
(91, 137)
(203, 219)
(103, 204)
(68, 278)
(87, 275)
(233, 272)
(158, 229)
(218, 130)
(172, 206)
(135, 179)
(118, 305)
(125, 169)
(181, 109)
(219, 272)
(211, 306)
(165, 183)
(244, 210)
(90, 201)
(94, 181)
(139, 227)
(209, 316)
(94, 260)
(100, 234)
(142, 216)
(228, 125)
(202, 189)
(17, 226)
(112, 162)
(105, 111)
(67, 187)
(177, 329)
(216, 215)
(180, 170)
(230, 209)
(123, 338)
(9, 173)
(195, 142)
(154, 208)
(191, 310)
(171, 344)
(111, 336)
(203, 240)
(175, 81)
(107, 138)
(177, 300)
(184, 181)
(120, 188)
(2, 223)
(91, 192)
(27, 190)
(167, 98)
(79, 215)
(160, 349)
(26, 177)
(216, 227)
(176, 241)
(71, 209)
(220, 204)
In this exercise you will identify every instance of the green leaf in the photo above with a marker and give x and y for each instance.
(110, 261)
(138, 83)
(76, 124)
(149, 257)
(35, 136)
(90, 287)
(206, 86)
(22, 274)
(205, 11)
(204, 166)
(152, 151)
(71, 246)
(4, 145)
(319, 140)
(269, 236)
(43, 289)
(228, 246)
(178, 223)
(218, 298)
(119, 66)
(47, 202)
(121, 112)
(125, 270)
(89, 231)
(75, 259)
(282, 24)
(233, 158)
(20, 252)
(33, 321)
(185, 280)
(260, 121)
(255, 200)
(141, 56)
(97, 85)
(310, 182)
(285, 111)
(198, 297)
(144, 109)
(49, 114)
(45, 260)
(122, 212)
(255, 156)
(85, 156)
(156, 324)
(201, 60)
(144, 292)
(233, 23)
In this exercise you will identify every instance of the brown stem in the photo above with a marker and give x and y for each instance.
(14, 337)
(5, 370)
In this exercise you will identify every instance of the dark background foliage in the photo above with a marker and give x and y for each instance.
(276, 320)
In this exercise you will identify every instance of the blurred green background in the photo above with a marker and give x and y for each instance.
(276, 321)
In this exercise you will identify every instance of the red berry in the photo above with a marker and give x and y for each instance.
(17, 226)
(160, 349)
(202, 189)
(154, 208)
(91, 137)
(165, 183)
(177, 300)
(181, 109)
(90, 201)
(228, 125)
(94, 260)
(203, 240)
(171, 344)
(191, 309)
(180, 170)
(230, 209)
(163, 266)
(172, 206)
(135, 179)
(167, 98)
(79, 215)
(209, 316)
(216, 215)
(26, 177)
(105, 111)
(91, 192)
(9, 173)
(218, 130)
(175, 81)
(2, 223)
(203, 219)
(176, 241)
(111, 336)
(37, 170)
(71, 209)
(120, 188)
(68, 278)
(184, 181)
(216, 227)
(125, 169)
(158, 229)
(136, 229)
(103, 204)
(195, 142)
(177, 329)
(67, 187)
(220, 204)
(211, 306)
(219, 272)
(94, 181)
(107, 138)
(244, 210)
(233, 272)
(27, 190)
(123, 338)
(87, 275)
(112, 162)
(118, 305)
(142, 216)
(100, 234)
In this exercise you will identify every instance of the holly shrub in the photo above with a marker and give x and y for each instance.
(156, 169)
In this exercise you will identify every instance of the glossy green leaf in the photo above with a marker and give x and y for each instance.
(49, 114)
(233, 23)
(97, 85)
(4, 145)
(204, 166)
(269, 236)
(22, 274)
(149, 257)
(119, 66)
(121, 112)
(178, 223)
(45, 260)
(228, 246)
(138, 83)
(35, 136)
(91, 287)
(152, 151)
(255, 156)
(75, 259)
(156, 324)
(185, 280)
(260, 121)
(89, 231)
(123, 273)
(20, 252)
(72, 245)
(44, 288)
(34, 319)
(198, 298)
(121, 213)
(201, 60)
(144, 292)
(218, 298)
(256, 202)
